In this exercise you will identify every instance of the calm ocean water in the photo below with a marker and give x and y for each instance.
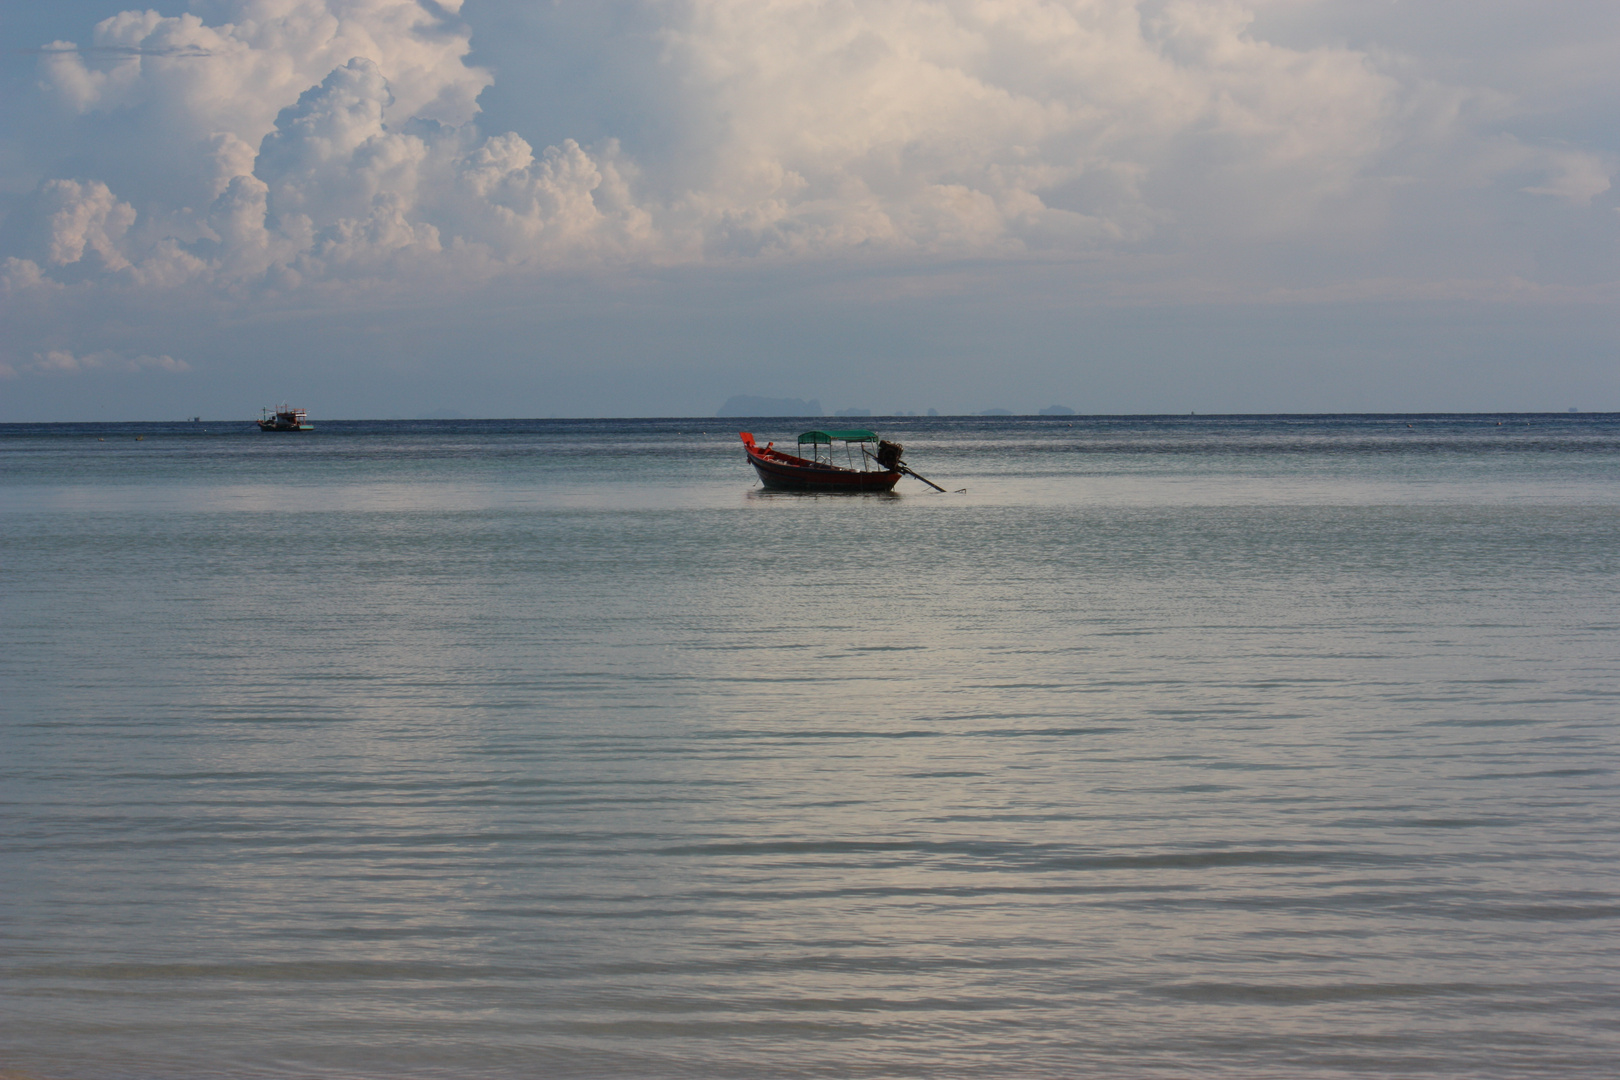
(1173, 747)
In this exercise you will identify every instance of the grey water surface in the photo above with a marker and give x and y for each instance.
(1172, 747)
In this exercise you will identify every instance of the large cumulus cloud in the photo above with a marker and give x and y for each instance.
(292, 142)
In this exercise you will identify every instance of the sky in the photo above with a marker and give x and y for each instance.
(499, 208)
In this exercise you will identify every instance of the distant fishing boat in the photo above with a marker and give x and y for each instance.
(820, 471)
(284, 418)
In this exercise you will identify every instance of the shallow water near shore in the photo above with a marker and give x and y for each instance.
(1268, 746)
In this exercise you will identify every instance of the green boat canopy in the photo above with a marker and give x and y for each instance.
(852, 435)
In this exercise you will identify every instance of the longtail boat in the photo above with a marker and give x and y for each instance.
(815, 468)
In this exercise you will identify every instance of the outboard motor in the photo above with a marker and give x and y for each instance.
(888, 454)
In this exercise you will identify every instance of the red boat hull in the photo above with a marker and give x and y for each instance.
(784, 472)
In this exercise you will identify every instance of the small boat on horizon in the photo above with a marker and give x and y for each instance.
(819, 471)
(284, 418)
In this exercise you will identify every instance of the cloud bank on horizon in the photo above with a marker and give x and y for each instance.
(1183, 149)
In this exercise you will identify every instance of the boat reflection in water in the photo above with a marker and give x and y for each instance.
(817, 468)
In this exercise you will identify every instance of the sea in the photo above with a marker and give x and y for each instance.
(1248, 746)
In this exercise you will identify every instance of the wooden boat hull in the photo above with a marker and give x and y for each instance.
(784, 472)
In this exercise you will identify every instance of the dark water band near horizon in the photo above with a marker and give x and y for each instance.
(1172, 747)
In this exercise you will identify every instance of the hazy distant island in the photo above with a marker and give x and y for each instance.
(746, 405)
(750, 405)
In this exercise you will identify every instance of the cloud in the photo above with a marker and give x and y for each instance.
(1575, 177)
(236, 76)
(64, 362)
(1010, 126)
(84, 219)
(308, 141)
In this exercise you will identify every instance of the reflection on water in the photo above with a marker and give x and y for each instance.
(1270, 747)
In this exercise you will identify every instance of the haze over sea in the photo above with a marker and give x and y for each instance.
(1173, 747)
